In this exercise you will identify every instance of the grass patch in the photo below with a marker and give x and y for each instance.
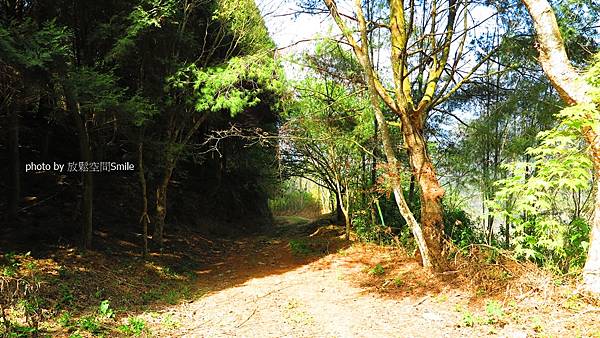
(494, 312)
(300, 247)
(133, 327)
(377, 270)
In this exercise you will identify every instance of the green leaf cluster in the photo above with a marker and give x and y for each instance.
(34, 46)
(232, 86)
(541, 197)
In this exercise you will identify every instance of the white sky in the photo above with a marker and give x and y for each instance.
(295, 33)
(287, 29)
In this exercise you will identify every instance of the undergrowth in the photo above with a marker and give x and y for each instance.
(74, 295)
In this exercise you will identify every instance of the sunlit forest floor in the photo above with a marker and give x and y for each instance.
(299, 280)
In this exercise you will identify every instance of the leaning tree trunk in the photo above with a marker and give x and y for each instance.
(344, 208)
(415, 227)
(429, 234)
(424, 248)
(557, 66)
(432, 217)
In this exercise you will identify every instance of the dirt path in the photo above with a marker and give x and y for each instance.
(265, 288)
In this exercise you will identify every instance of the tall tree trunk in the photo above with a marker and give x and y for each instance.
(490, 226)
(344, 199)
(161, 204)
(374, 157)
(364, 182)
(14, 177)
(144, 219)
(591, 270)
(557, 66)
(87, 205)
(373, 181)
(432, 219)
(86, 156)
(412, 118)
(392, 161)
(344, 208)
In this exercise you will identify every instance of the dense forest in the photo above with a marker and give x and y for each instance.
(167, 158)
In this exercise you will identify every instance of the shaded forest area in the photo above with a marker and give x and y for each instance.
(114, 82)
(162, 155)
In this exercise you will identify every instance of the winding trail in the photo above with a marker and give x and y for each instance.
(262, 289)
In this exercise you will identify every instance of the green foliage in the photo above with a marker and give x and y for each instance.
(96, 91)
(19, 331)
(329, 110)
(377, 270)
(494, 315)
(545, 195)
(174, 296)
(366, 230)
(494, 312)
(329, 129)
(171, 292)
(135, 327)
(329, 54)
(376, 232)
(139, 110)
(33, 46)
(576, 19)
(233, 86)
(576, 242)
(11, 264)
(20, 301)
(147, 15)
(104, 309)
(459, 227)
(293, 201)
(66, 295)
(32, 309)
(468, 319)
(66, 320)
(245, 23)
(300, 247)
(89, 324)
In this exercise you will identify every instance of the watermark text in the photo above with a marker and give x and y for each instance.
(82, 167)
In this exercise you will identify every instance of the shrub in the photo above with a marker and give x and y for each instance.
(459, 227)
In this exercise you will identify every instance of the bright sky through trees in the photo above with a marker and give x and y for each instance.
(295, 31)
